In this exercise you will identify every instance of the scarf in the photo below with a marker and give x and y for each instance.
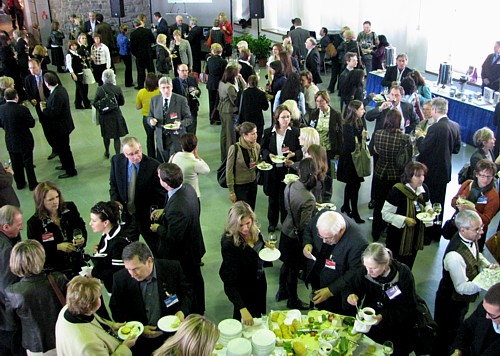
(252, 149)
(413, 236)
(475, 191)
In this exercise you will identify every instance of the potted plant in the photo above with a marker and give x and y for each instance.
(260, 47)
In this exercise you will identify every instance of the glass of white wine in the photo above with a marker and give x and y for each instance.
(437, 209)
(272, 240)
(388, 348)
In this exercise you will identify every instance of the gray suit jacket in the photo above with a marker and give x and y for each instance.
(300, 205)
(299, 37)
(185, 53)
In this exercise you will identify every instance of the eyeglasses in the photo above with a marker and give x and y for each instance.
(98, 208)
(492, 317)
(478, 230)
(484, 176)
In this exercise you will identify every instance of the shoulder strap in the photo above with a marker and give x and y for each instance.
(290, 204)
(56, 289)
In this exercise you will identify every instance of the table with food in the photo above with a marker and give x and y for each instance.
(288, 332)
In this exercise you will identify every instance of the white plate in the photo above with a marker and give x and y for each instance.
(426, 217)
(166, 323)
(289, 178)
(130, 324)
(269, 254)
(263, 166)
(170, 127)
(278, 159)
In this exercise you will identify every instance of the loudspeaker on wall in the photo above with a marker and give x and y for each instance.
(256, 9)
(117, 8)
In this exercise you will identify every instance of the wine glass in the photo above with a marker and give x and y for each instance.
(387, 348)
(77, 238)
(272, 240)
(151, 209)
(437, 209)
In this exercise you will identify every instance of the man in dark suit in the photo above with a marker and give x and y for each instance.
(11, 223)
(195, 36)
(490, 71)
(136, 199)
(179, 25)
(105, 30)
(145, 291)
(57, 111)
(299, 37)
(479, 335)
(162, 26)
(179, 230)
(168, 109)
(436, 147)
(328, 272)
(337, 39)
(398, 72)
(141, 40)
(38, 92)
(187, 87)
(246, 67)
(89, 27)
(16, 120)
(313, 60)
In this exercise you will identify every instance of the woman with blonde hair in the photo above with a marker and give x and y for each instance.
(163, 59)
(32, 298)
(308, 136)
(242, 271)
(79, 330)
(5, 82)
(40, 52)
(196, 336)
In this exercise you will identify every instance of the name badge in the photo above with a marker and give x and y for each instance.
(285, 150)
(173, 116)
(171, 300)
(483, 199)
(330, 264)
(252, 164)
(417, 207)
(407, 123)
(48, 237)
(393, 292)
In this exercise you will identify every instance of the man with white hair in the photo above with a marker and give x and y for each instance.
(313, 60)
(333, 245)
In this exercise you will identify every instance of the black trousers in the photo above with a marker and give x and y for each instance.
(98, 69)
(10, 343)
(335, 75)
(276, 208)
(437, 194)
(81, 92)
(381, 187)
(127, 60)
(63, 148)
(142, 65)
(150, 137)
(212, 97)
(247, 193)
(21, 162)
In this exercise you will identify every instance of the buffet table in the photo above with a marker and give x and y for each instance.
(471, 116)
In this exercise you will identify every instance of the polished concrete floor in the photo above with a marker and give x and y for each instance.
(92, 185)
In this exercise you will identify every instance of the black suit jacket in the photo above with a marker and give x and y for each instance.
(254, 103)
(476, 336)
(392, 74)
(180, 232)
(32, 91)
(141, 40)
(126, 302)
(184, 30)
(312, 64)
(195, 36)
(16, 120)
(162, 27)
(442, 140)
(178, 88)
(215, 69)
(246, 70)
(148, 190)
(58, 112)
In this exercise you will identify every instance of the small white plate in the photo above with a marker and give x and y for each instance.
(263, 166)
(278, 159)
(289, 178)
(170, 127)
(167, 323)
(425, 217)
(269, 254)
(131, 324)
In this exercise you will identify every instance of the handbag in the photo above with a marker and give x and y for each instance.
(106, 104)
(424, 330)
(88, 76)
(221, 171)
(236, 119)
(404, 155)
(361, 158)
(449, 228)
(493, 245)
(56, 289)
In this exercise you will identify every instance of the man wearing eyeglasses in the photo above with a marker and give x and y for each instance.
(461, 264)
(479, 335)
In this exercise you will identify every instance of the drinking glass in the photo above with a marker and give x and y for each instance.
(437, 209)
(311, 297)
(387, 348)
(272, 240)
(77, 236)
(151, 209)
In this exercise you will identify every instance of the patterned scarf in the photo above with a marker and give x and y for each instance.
(411, 238)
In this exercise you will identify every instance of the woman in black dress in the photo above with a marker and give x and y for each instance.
(56, 46)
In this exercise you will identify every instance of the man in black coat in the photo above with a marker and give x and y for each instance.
(179, 25)
(337, 39)
(436, 148)
(147, 191)
(141, 40)
(145, 291)
(195, 36)
(187, 86)
(313, 60)
(16, 120)
(57, 111)
(490, 70)
(11, 223)
(179, 229)
(333, 245)
(479, 335)
(37, 92)
(162, 26)
(398, 72)
(89, 27)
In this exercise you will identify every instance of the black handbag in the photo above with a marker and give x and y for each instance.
(221, 171)
(106, 104)
(404, 155)
(449, 228)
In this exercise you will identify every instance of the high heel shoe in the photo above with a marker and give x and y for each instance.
(345, 210)
(357, 218)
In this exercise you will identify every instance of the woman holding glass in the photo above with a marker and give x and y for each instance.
(105, 218)
(75, 64)
(80, 331)
(405, 233)
(180, 50)
(388, 287)
(242, 271)
(58, 226)
(479, 194)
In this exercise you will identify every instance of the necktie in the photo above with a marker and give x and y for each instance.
(495, 58)
(131, 190)
(185, 85)
(165, 108)
(40, 87)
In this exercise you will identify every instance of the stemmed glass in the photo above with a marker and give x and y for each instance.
(387, 348)
(437, 209)
(151, 209)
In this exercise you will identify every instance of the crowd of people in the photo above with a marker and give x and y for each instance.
(157, 195)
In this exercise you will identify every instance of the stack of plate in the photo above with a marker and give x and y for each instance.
(229, 329)
(263, 342)
(239, 347)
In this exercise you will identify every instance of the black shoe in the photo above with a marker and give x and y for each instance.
(79, 107)
(106, 154)
(59, 168)
(281, 295)
(66, 175)
(201, 264)
(137, 88)
(371, 204)
(358, 219)
(33, 187)
(88, 106)
(52, 156)
(130, 85)
(218, 123)
(345, 210)
(297, 304)
(61, 70)
(271, 228)
(21, 186)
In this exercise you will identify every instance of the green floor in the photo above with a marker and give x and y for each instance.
(92, 185)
